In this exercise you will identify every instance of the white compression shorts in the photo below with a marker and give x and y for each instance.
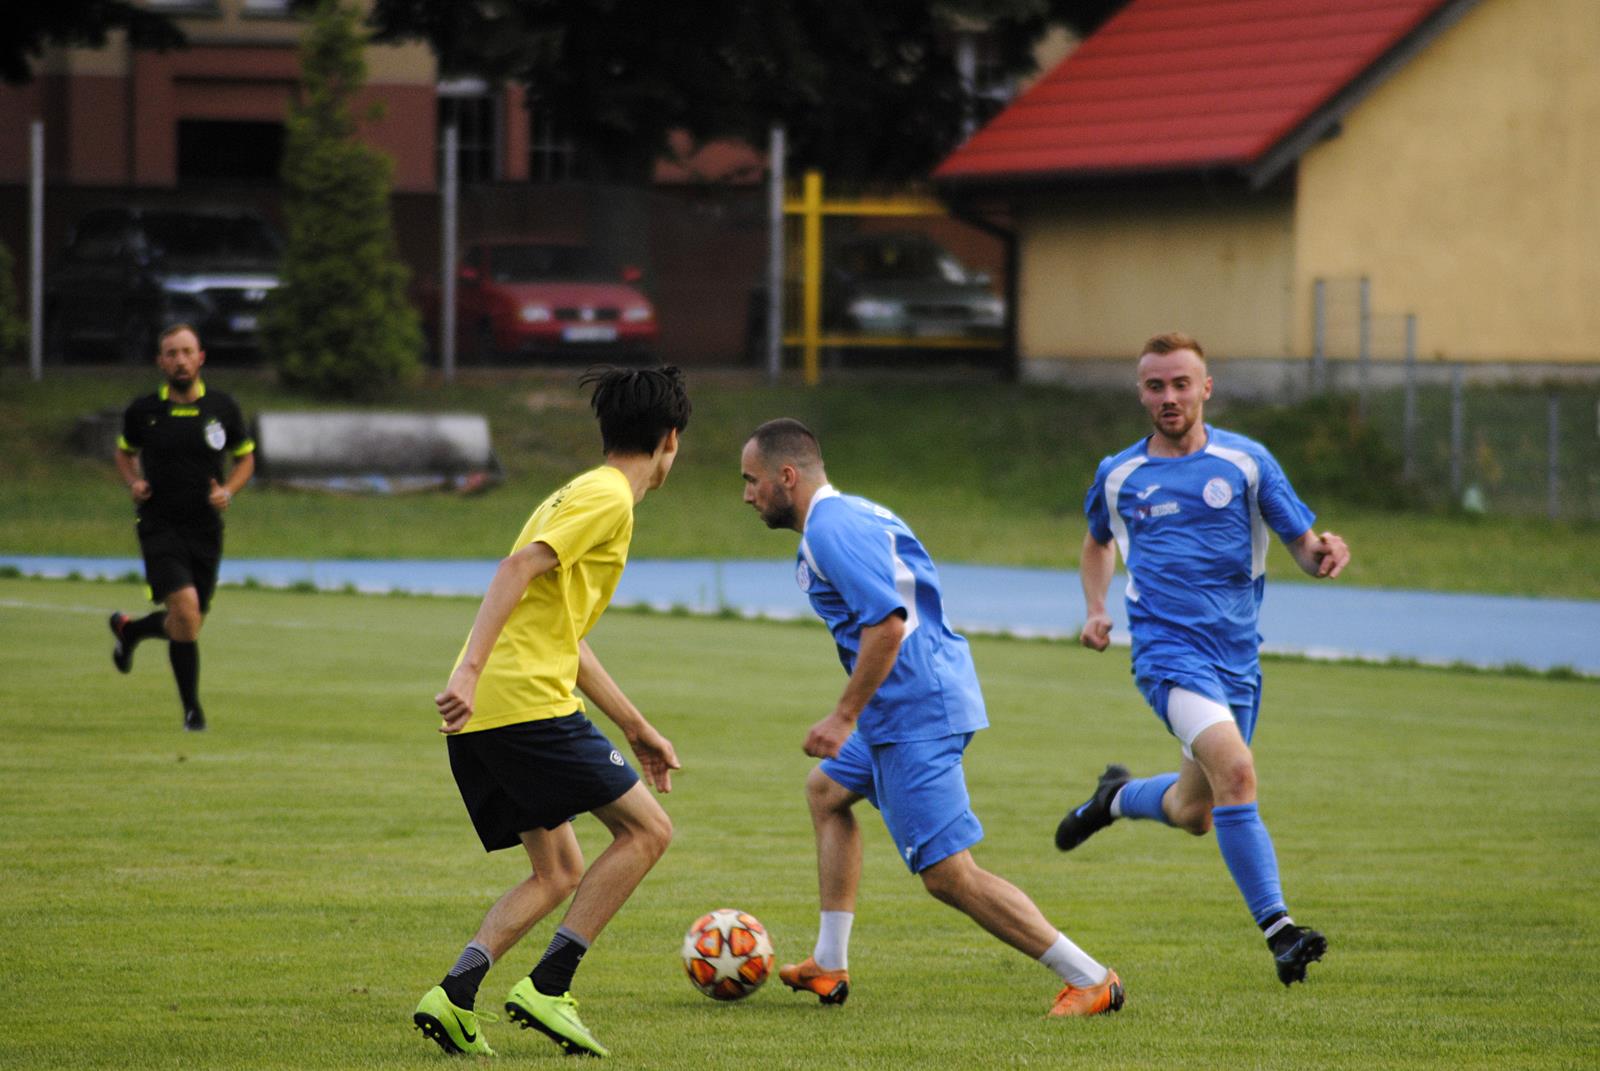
(1189, 714)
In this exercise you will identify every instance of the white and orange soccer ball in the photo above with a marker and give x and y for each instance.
(727, 954)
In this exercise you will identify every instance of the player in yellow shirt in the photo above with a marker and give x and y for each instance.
(525, 757)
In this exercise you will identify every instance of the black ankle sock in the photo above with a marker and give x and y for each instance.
(553, 975)
(185, 659)
(461, 984)
(147, 627)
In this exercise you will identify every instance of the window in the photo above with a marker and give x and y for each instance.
(551, 154)
(469, 104)
(210, 149)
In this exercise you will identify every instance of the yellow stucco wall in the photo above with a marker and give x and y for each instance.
(1103, 271)
(1467, 188)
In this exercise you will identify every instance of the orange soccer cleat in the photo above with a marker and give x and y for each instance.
(1102, 999)
(831, 987)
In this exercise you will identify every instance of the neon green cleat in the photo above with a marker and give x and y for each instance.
(555, 1017)
(455, 1029)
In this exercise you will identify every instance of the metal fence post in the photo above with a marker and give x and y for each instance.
(811, 328)
(36, 252)
(1553, 472)
(1409, 427)
(447, 255)
(1319, 336)
(775, 177)
(1364, 327)
(1458, 427)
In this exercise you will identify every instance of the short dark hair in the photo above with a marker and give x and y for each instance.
(637, 406)
(787, 441)
(172, 329)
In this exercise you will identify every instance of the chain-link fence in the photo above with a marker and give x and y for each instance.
(1511, 447)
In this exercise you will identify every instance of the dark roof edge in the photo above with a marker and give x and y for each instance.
(1293, 145)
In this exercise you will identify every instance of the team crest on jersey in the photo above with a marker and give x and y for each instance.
(802, 576)
(216, 437)
(1218, 492)
(616, 757)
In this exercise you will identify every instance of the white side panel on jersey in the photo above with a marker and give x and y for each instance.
(805, 552)
(1258, 524)
(905, 585)
(1119, 528)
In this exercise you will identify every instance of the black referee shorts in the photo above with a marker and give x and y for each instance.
(535, 775)
(179, 557)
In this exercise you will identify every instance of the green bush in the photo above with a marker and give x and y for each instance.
(339, 323)
(1328, 449)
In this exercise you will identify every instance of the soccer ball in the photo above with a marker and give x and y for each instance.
(727, 954)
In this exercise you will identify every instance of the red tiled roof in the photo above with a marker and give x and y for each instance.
(1180, 85)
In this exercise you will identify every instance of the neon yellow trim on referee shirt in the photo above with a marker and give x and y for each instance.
(532, 672)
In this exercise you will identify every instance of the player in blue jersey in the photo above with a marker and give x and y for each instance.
(1189, 507)
(896, 736)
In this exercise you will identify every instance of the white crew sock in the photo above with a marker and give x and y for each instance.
(1116, 803)
(833, 940)
(1073, 964)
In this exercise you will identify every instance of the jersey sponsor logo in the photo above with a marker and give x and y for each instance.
(216, 436)
(802, 576)
(1218, 492)
(1147, 492)
(1160, 509)
(616, 757)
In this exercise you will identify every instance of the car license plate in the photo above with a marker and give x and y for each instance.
(589, 333)
(242, 323)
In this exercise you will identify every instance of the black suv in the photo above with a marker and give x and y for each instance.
(128, 272)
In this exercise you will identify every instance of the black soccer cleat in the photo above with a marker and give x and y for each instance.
(194, 720)
(121, 650)
(1094, 814)
(1293, 949)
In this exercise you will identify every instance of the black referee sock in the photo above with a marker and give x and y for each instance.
(553, 975)
(147, 627)
(185, 659)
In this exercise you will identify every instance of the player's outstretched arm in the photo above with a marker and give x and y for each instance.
(1322, 555)
(654, 751)
(1096, 565)
(511, 579)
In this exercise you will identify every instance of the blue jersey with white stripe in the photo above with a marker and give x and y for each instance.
(858, 563)
(1193, 533)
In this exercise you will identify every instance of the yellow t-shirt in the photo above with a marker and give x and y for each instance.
(532, 672)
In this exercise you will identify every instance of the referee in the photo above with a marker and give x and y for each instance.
(170, 455)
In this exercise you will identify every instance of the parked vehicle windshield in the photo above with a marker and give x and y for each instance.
(533, 263)
(901, 260)
(190, 237)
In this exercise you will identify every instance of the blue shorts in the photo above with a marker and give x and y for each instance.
(1242, 698)
(920, 790)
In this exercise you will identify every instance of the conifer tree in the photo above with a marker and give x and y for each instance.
(339, 323)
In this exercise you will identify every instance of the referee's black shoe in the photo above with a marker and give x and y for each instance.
(122, 650)
(194, 719)
(1094, 814)
(1293, 949)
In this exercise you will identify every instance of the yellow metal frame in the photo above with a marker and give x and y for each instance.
(811, 207)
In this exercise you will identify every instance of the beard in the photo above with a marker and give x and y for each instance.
(779, 514)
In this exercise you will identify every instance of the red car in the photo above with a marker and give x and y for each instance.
(536, 298)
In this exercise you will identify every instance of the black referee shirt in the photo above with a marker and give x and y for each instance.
(180, 447)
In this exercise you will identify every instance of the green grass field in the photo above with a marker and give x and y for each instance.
(278, 892)
(984, 472)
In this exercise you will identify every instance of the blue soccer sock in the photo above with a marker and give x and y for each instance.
(1141, 798)
(1247, 849)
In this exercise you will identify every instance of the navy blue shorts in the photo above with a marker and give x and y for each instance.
(535, 775)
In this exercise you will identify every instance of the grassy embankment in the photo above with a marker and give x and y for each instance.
(984, 472)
